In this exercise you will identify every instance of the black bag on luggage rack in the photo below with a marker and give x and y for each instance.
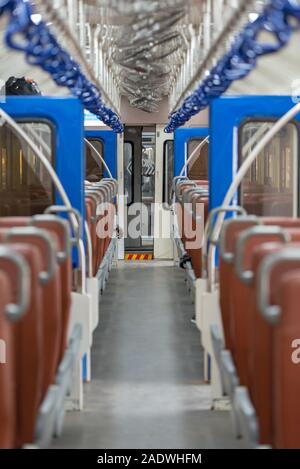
(21, 87)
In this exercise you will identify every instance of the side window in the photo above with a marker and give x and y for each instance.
(270, 188)
(94, 166)
(128, 171)
(198, 169)
(25, 186)
(168, 172)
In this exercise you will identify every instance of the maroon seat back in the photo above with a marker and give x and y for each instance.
(260, 358)
(28, 340)
(7, 368)
(285, 364)
(230, 231)
(51, 307)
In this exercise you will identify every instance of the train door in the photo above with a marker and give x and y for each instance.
(139, 187)
(163, 246)
(271, 186)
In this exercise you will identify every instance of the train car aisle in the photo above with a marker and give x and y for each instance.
(147, 389)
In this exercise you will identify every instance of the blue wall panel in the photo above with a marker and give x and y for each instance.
(227, 114)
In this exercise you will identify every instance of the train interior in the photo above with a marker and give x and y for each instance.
(149, 224)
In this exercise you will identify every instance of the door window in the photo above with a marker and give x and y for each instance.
(128, 172)
(94, 166)
(25, 186)
(168, 168)
(198, 169)
(270, 187)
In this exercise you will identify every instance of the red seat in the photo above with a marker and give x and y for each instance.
(59, 230)
(199, 205)
(7, 368)
(91, 217)
(179, 209)
(231, 229)
(51, 296)
(260, 359)
(286, 376)
(246, 242)
(28, 340)
(109, 225)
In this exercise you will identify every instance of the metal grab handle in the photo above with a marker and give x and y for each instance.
(108, 183)
(103, 193)
(63, 255)
(95, 197)
(32, 232)
(109, 192)
(202, 193)
(228, 256)
(186, 194)
(209, 231)
(230, 209)
(112, 181)
(71, 211)
(103, 182)
(15, 311)
(100, 195)
(246, 276)
(272, 313)
(74, 216)
(177, 180)
(186, 183)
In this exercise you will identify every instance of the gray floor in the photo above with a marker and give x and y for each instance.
(147, 389)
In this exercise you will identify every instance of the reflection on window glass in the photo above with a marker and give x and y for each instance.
(128, 171)
(168, 172)
(94, 166)
(25, 186)
(270, 186)
(198, 169)
(148, 173)
(148, 185)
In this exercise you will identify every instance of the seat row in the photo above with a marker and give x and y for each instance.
(259, 296)
(44, 317)
(191, 210)
(100, 217)
(35, 285)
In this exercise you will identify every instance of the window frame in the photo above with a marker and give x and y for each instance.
(52, 126)
(197, 139)
(166, 203)
(91, 140)
(265, 120)
(129, 203)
